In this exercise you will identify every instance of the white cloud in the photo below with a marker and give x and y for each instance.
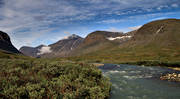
(34, 15)
(135, 27)
(175, 5)
(113, 29)
(110, 21)
(158, 18)
(27, 21)
(44, 50)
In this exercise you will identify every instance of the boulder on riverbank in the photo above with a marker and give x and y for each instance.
(171, 77)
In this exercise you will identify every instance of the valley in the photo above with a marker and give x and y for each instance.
(102, 65)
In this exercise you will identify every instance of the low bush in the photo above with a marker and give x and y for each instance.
(44, 79)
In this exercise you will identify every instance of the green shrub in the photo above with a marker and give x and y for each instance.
(44, 79)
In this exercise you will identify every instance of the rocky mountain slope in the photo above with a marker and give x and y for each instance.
(31, 51)
(63, 47)
(5, 43)
(59, 49)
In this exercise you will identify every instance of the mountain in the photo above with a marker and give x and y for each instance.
(99, 40)
(157, 40)
(75, 45)
(31, 51)
(63, 47)
(5, 43)
(59, 49)
(161, 33)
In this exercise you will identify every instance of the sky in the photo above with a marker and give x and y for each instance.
(35, 22)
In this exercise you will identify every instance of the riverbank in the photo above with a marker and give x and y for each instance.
(170, 65)
(175, 68)
(175, 77)
(140, 62)
(155, 63)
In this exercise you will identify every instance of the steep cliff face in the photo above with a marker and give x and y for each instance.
(5, 43)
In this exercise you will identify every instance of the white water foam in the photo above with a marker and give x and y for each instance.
(116, 71)
(137, 77)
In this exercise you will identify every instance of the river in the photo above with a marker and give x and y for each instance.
(140, 82)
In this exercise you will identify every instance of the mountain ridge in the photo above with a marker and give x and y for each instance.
(150, 42)
(155, 39)
(5, 43)
(59, 48)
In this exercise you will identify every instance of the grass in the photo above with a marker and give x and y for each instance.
(8, 55)
(149, 55)
(155, 63)
(48, 78)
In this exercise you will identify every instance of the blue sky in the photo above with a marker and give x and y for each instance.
(35, 22)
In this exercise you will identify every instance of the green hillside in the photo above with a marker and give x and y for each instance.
(157, 41)
(95, 41)
(9, 55)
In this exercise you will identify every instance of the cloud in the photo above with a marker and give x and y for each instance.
(36, 16)
(175, 5)
(134, 28)
(67, 33)
(110, 21)
(158, 18)
(113, 29)
(44, 50)
(28, 21)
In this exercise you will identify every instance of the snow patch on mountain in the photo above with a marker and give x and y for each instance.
(120, 38)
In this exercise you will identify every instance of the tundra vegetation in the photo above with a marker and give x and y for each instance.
(47, 78)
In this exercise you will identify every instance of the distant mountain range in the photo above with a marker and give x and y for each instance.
(61, 48)
(150, 38)
(31, 51)
(155, 40)
(76, 45)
